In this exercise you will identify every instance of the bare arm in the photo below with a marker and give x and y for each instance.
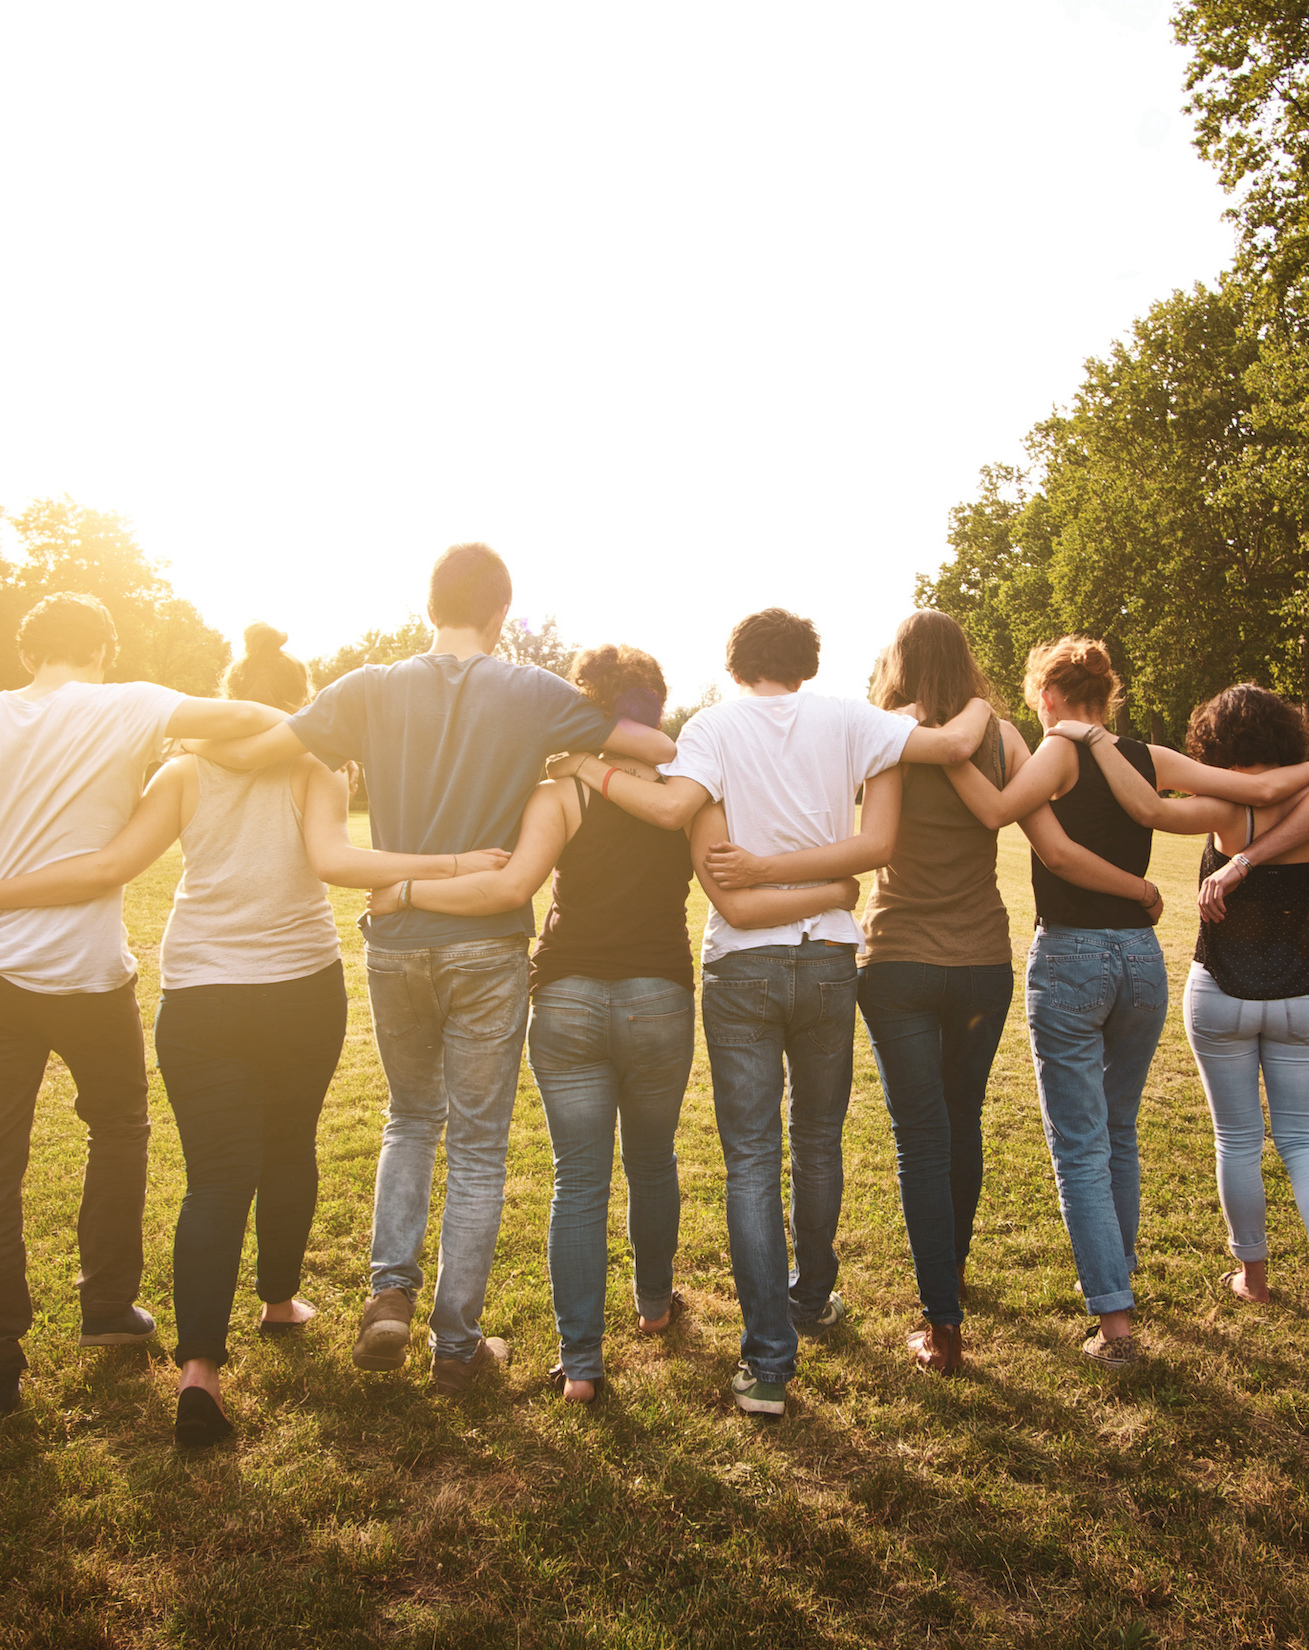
(1051, 771)
(761, 907)
(1078, 865)
(1184, 816)
(336, 859)
(1175, 772)
(278, 744)
(671, 804)
(635, 739)
(879, 825)
(541, 840)
(153, 826)
(1290, 832)
(955, 742)
(221, 719)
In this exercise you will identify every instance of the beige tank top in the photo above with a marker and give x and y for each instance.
(937, 900)
(249, 909)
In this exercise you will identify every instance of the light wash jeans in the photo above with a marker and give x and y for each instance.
(600, 1050)
(449, 1024)
(775, 1002)
(934, 1033)
(1096, 1003)
(1231, 1038)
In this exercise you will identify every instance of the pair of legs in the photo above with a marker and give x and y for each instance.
(1096, 1003)
(606, 1050)
(1232, 1038)
(780, 1014)
(934, 1033)
(98, 1036)
(246, 1068)
(450, 1023)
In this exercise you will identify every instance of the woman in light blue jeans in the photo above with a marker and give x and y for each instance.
(1247, 996)
(612, 1033)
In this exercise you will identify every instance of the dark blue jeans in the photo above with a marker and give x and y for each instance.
(246, 1068)
(934, 1033)
(763, 1006)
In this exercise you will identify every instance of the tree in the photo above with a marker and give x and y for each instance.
(374, 647)
(677, 718)
(520, 644)
(161, 638)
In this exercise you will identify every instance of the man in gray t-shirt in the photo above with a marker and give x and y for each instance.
(452, 743)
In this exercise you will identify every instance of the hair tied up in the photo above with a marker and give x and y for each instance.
(262, 639)
(1092, 658)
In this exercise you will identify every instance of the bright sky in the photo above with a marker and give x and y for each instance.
(687, 309)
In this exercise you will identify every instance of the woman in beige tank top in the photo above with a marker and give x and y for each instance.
(253, 1010)
(936, 973)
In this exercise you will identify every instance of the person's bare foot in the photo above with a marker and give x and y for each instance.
(202, 1372)
(655, 1326)
(579, 1392)
(1249, 1282)
(288, 1312)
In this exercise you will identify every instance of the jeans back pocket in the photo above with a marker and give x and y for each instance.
(735, 1011)
(1077, 980)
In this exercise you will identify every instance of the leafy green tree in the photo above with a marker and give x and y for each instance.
(374, 647)
(677, 718)
(520, 644)
(66, 546)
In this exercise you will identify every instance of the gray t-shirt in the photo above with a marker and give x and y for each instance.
(451, 749)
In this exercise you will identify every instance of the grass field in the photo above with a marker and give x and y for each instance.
(1035, 1501)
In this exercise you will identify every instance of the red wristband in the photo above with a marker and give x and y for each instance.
(604, 788)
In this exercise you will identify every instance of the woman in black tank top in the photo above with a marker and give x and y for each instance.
(1247, 995)
(612, 1032)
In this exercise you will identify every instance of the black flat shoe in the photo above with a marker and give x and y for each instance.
(200, 1422)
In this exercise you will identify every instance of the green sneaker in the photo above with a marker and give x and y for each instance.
(827, 1319)
(758, 1397)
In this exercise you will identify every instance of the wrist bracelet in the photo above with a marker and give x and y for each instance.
(604, 789)
(1244, 863)
(1089, 737)
(1153, 893)
(405, 887)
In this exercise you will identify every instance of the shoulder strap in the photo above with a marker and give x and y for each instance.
(1249, 826)
(1003, 777)
(583, 796)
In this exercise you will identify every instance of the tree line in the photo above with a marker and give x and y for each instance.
(1167, 509)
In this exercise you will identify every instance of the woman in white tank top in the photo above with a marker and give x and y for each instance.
(252, 1015)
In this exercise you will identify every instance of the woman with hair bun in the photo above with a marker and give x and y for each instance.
(1247, 994)
(1097, 991)
(253, 1009)
(612, 1031)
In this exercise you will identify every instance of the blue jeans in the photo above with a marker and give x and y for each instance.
(449, 1024)
(1096, 1002)
(761, 1006)
(1231, 1038)
(600, 1050)
(934, 1033)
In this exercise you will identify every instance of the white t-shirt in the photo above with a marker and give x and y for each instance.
(786, 768)
(73, 764)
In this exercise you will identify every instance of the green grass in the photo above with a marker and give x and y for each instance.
(1035, 1501)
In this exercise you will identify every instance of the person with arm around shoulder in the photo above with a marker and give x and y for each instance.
(1246, 1006)
(74, 750)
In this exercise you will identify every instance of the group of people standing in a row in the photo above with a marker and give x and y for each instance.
(757, 799)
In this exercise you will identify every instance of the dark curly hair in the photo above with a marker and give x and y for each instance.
(773, 646)
(67, 629)
(623, 681)
(1244, 726)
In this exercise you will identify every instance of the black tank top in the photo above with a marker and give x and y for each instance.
(1090, 815)
(618, 902)
(1260, 950)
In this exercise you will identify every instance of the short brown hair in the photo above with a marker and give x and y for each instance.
(469, 586)
(67, 629)
(265, 673)
(622, 681)
(1080, 667)
(773, 646)
(929, 664)
(1245, 725)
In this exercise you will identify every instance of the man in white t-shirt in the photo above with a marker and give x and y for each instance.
(786, 765)
(73, 751)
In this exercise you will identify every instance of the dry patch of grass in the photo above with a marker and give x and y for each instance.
(1033, 1502)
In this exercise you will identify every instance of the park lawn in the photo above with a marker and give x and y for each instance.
(1035, 1501)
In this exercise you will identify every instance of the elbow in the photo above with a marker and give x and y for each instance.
(671, 815)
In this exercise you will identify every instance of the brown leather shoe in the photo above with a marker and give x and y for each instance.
(938, 1347)
(452, 1378)
(384, 1331)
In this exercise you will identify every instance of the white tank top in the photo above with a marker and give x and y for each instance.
(249, 908)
